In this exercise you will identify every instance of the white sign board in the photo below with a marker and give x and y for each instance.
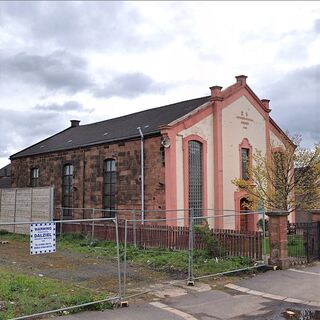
(42, 238)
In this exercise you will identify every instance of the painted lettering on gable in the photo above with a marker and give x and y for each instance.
(245, 120)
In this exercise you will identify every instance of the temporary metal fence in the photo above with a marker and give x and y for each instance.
(229, 250)
(73, 277)
(154, 251)
(203, 250)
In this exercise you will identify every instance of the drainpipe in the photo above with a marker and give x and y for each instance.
(83, 182)
(142, 175)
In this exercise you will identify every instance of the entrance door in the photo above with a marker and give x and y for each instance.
(244, 218)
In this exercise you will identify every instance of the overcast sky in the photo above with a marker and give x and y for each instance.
(96, 60)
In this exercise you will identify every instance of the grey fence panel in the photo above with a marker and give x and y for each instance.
(25, 204)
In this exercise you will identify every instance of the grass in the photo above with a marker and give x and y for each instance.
(295, 246)
(25, 295)
(157, 259)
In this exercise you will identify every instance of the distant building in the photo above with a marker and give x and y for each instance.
(5, 177)
(192, 151)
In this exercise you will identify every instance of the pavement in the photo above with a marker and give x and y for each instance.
(283, 294)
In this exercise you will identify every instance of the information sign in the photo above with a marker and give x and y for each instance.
(42, 238)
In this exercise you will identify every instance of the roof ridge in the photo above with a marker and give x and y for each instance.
(145, 110)
(41, 141)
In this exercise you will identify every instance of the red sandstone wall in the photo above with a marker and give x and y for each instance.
(88, 174)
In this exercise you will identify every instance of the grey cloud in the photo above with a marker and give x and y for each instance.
(129, 86)
(65, 107)
(57, 71)
(20, 129)
(294, 44)
(293, 51)
(84, 25)
(317, 26)
(295, 102)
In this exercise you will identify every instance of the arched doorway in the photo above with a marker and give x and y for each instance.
(245, 218)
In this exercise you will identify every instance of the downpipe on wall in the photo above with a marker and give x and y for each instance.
(142, 173)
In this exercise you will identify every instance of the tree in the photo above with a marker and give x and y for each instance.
(287, 180)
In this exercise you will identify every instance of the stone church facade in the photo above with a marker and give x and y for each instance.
(191, 152)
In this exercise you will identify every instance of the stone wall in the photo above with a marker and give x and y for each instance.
(88, 174)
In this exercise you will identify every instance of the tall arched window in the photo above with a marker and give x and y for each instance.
(109, 187)
(67, 191)
(195, 177)
(245, 163)
(34, 177)
(245, 149)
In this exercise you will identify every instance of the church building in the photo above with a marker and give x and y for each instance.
(161, 162)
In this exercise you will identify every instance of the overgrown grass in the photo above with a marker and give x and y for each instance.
(157, 259)
(5, 235)
(25, 295)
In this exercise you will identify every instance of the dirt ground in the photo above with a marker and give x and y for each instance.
(82, 270)
(101, 274)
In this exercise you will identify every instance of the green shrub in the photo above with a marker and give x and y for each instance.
(212, 246)
(260, 224)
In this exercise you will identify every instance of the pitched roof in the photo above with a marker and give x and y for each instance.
(112, 130)
(5, 182)
(5, 171)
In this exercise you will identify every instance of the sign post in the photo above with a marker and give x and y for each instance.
(42, 238)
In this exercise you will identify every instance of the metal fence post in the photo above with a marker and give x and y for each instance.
(61, 218)
(125, 259)
(134, 228)
(190, 281)
(118, 256)
(264, 240)
(15, 211)
(92, 226)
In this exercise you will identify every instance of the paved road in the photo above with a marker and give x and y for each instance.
(265, 296)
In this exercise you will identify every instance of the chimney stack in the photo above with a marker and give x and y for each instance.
(75, 123)
(241, 79)
(216, 93)
(265, 103)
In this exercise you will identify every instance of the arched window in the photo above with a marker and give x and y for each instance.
(109, 187)
(245, 149)
(245, 153)
(195, 177)
(34, 177)
(67, 191)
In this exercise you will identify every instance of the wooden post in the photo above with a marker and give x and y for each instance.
(278, 239)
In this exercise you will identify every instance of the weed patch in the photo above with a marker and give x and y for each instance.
(158, 259)
(25, 295)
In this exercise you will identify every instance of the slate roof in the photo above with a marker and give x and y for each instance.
(5, 178)
(5, 182)
(5, 171)
(112, 130)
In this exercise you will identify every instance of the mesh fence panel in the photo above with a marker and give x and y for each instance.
(82, 270)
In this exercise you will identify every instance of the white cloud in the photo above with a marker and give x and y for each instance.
(88, 51)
